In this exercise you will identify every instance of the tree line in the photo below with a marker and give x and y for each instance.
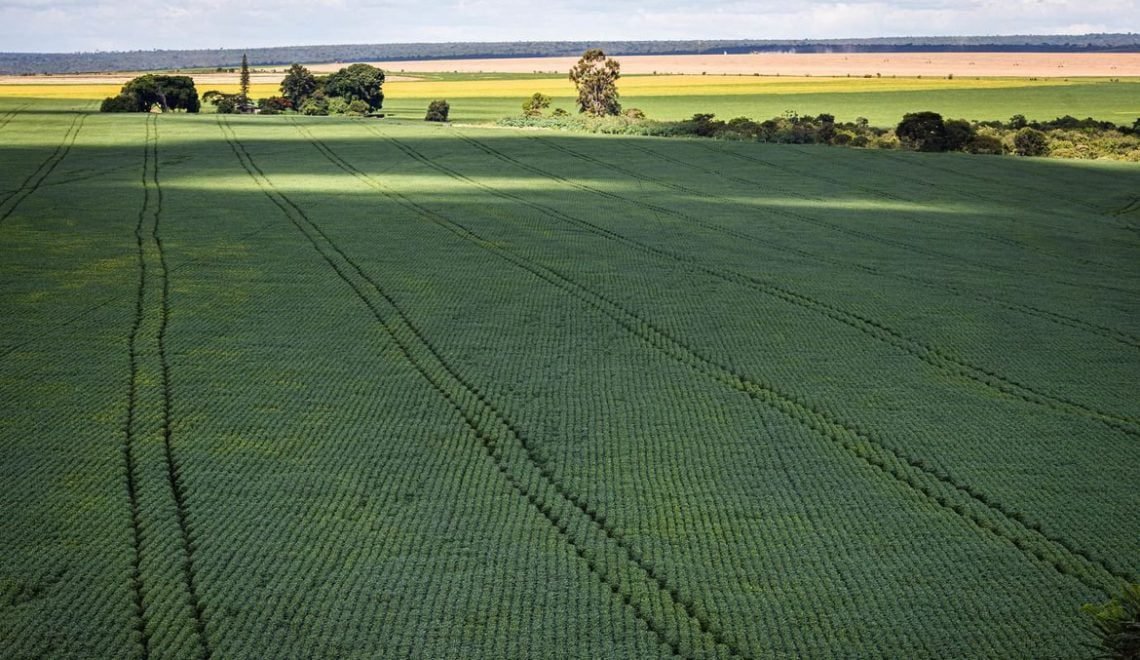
(32, 63)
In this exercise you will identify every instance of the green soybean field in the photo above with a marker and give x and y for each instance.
(314, 387)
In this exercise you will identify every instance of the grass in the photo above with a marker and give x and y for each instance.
(323, 387)
(488, 97)
(882, 101)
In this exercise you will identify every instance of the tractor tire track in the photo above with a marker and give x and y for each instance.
(934, 356)
(154, 478)
(9, 204)
(7, 117)
(129, 424)
(1029, 310)
(935, 486)
(507, 446)
(173, 469)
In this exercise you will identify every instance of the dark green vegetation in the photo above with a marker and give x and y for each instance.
(355, 89)
(183, 59)
(438, 110)
(1063, 137)
(1117, 623)
(282, 386)
(151, 91)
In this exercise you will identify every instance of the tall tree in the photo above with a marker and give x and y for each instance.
(298, 85)
(596, 76)
(244, 80)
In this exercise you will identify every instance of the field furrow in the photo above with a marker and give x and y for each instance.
(13, 199)
(166, 597)
(935, 356)
(504, 443)
(355, 387)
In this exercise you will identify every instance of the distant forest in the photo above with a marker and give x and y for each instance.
(151, 60)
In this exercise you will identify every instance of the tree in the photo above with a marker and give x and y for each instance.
(1117, 624)
(118, 103)
(438, 110)
(274, 105)
(1030, 142)
(143, 93)
(922, 131)
(959, 132)
(298, 85)
(596, 77)
(357, 81)
(534, 106)
(244, 93)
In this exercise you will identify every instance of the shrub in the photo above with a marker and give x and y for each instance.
(438, 110)
(959, 132)
(120, 103)
(358, 107)
(534, 106)
(702, 124)
(274, 105)
(227, 105)
(634, 113)
(315, 106)
(985, 144)
(1117, 624)
(338, 105)
(1030, 142)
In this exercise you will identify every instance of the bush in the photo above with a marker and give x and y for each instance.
(274, 105)
(1030, 142)
(634, 113)
(358, 107)
(959, 132)
(313, 106)
(985, 144)
(438, 110)
(337, 105)
(120, 103)
(534, 106)
(227, 105)
(1117, 624)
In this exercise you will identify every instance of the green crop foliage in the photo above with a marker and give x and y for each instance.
(327, 387)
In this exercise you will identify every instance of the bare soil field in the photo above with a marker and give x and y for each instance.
(1036, 65)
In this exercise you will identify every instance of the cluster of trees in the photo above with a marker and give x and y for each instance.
(928, 131)
(355, 89)
(1064, 137)
(144, 93)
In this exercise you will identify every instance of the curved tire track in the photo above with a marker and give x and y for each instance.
(9, 204)
(932, 355)
(937, 487)
(597, 543)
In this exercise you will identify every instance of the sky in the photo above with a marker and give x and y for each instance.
(93, 25)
